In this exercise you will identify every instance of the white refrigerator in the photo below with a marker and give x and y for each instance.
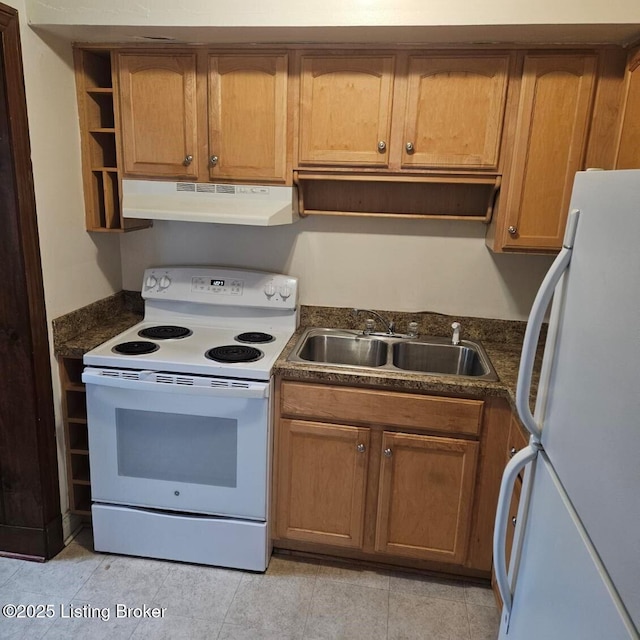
(574, 570)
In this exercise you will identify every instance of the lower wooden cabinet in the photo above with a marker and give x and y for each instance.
(425, 496)
(402, 478)
(322, 473)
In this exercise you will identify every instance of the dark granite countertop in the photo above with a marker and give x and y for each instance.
(82, 330)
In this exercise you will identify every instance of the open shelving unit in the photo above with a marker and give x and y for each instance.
(74, 409)
(99, 127)
(445, 197)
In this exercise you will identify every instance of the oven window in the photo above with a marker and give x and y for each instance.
(177, 447)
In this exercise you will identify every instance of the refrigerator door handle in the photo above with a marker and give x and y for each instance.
(536, 317)
(513, 468)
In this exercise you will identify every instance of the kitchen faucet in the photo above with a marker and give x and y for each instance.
(389, 325)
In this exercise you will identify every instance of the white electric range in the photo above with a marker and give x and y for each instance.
(179, 417)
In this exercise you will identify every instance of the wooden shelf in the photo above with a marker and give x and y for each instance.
(100, 90)
(96, 85)
(444, 196)
(74, 409)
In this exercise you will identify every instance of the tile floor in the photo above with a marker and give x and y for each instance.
(294, 599)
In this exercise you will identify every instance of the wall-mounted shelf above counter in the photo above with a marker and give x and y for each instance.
(445, 197)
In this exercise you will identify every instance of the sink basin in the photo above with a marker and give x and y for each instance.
(446, 359)
(394, 353)
(355, 350)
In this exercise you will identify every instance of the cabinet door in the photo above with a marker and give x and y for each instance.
(455, 110)
(425, 497)
(629, 145)
(553, 113)
(248, 117)
(321, 482)
(345, 110)
(158, 114)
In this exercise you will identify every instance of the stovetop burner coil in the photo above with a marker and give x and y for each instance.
(165, 332)
(135, 348)
(254, 337)
(234, 353)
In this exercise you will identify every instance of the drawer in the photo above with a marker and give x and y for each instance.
(347, 405)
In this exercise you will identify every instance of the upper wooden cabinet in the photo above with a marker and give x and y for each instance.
(345, 110)
(159, 114)
(553, 113)
(628, 152)
(402, 112)
(454, 112)
(198, 117)
(248, 117)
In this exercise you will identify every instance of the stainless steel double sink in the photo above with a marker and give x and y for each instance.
(430, 355)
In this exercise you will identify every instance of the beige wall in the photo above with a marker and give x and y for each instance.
(409, 265)
(77, 268)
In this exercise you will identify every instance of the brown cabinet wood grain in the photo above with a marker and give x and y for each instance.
(426, 496)
(345, 109)
(322, 472)
(193, 116)
(248, 117)
(628, 153)
(384, 474)
(402, 111)
(455, 110)
(552, 120)
(159, 114)
(381, 407)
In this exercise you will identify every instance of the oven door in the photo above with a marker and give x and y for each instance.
(178, 442)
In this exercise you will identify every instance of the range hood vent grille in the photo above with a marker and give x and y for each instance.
(246, 204)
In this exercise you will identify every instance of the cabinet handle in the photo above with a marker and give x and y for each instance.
(361, 448)
(213, 161)
(512, 452)
(409, 147)
(382, 146)
(388, 453)
(187, 160)
(512, 230)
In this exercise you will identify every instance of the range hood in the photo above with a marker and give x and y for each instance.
(250, 204)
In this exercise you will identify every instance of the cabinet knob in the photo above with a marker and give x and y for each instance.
(512, 452)
(388, 453)
(382, 146)
(409, 147)
(512, 230)
(361, 448)
(213, 161)
(187, 160)
(514, 520)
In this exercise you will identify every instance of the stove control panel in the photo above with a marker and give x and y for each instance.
(217, 286)
(221, 286)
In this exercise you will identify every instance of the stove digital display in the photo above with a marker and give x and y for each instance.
(217, 283)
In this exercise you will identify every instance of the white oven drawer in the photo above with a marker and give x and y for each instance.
(202, 539)
(189, 449)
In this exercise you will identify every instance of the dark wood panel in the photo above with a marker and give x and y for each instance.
(28, 466)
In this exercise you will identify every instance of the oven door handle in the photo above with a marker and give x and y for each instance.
(148, 381)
